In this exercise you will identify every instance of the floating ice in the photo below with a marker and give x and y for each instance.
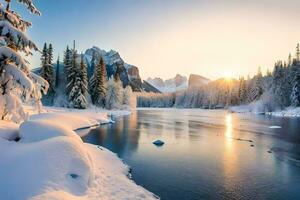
(275, 127)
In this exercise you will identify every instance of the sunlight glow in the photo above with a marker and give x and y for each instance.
(228, 121)
(228, 75)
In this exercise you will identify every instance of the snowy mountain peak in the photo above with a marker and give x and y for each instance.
(177, 83)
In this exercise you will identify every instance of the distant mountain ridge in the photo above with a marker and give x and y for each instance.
(129, 74)
(177, 83)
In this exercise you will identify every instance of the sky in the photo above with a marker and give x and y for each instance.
(212, 38)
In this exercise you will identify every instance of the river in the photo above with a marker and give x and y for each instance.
(208, 154)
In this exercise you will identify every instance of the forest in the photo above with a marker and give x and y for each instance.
(266, 92)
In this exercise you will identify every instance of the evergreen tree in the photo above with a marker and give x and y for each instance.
(57, 73)
(295, 95)
(92, 67)
(280, 86)
(17, 83)
(72, 70)
(290, 60)
(117, 73)
(298, 53)
(79, 90)
(50, 54)
(47, 70)
(98, 84)
(242, 93)
(44, 57)
(114, 94)
(67, 64)
(257, 88)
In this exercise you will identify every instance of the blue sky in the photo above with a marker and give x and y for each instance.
(162, 38)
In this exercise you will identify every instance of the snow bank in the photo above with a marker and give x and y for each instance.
(288, 112)
(8, 130)
(30, 131)
(51, 162)
(29, 169)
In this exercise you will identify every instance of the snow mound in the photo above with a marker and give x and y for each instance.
(59, 163)
(30, 131)
(73, 120)
(51, 162)
(8, 130)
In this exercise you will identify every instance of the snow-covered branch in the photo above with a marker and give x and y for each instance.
(30, 6)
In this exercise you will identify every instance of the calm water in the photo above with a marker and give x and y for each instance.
(207, 154)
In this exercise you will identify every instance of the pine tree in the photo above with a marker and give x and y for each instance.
(280, 86)
(17, 83)
(67, 65)
(295, 95)
(79, 91)
(47, 71)
(242, 93)
(117, 74)
(298, 53)
(98, 84)
(57, 73)
(290, 60)
(92, 67)
(44, 58)
(114, 94)
(257, 88)
(72, 70)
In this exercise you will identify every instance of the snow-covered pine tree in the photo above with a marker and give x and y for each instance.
(298, 53)
(242, 93)
(67, 65)
(47, 70)
(280, 86)
(129, 98)
(79, 91)
(98, 84)
(91, 69)
(57, 73)
(51, 68)
(295, 95)
(72, 71)
(17, 83)
(113, 95)
(257, 87)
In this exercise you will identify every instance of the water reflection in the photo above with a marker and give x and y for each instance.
(229, 161)
(207, 155)
(228, 123)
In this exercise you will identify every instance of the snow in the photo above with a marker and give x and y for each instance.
(8, 130)
(275, 127)
(51, 162)
(288, 112)
(253, 108)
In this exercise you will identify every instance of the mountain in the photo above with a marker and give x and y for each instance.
(129, 74)
(177, 83)
(197, 80)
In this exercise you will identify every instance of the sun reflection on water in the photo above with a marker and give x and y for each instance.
(230, 163)
(228, 123)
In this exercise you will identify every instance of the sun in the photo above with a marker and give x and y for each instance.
(228, 75)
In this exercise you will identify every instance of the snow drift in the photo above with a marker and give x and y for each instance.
(51, 162)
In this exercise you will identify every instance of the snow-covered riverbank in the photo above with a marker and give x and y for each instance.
(288, 112)
(50, 161)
